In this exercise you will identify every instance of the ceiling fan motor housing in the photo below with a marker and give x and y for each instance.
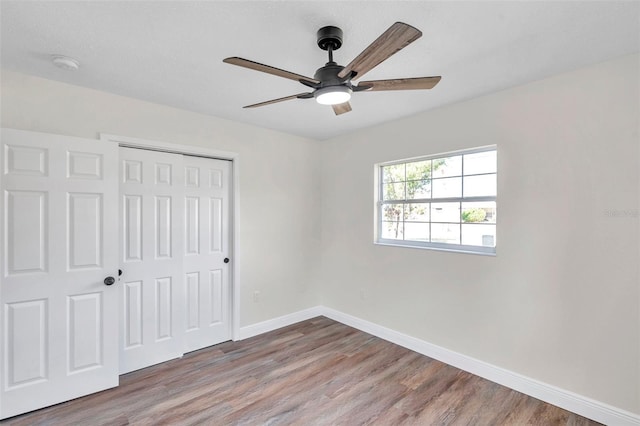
(328, 75)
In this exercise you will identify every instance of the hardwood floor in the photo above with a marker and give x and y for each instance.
(317, 372)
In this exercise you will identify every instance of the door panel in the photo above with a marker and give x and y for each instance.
(132, 314)
(192, 231)
(207, 207)
(85, 230)
(152, 297)
(59, 216)
(26, 233)
(26, 339)
(132, 230)
(85, 344)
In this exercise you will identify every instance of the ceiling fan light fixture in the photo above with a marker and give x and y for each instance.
(332, 95)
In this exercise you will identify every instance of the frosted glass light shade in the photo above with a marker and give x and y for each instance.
(333, 95)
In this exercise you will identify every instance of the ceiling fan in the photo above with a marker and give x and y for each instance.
(333, 84)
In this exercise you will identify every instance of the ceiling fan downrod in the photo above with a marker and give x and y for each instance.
(329, 39)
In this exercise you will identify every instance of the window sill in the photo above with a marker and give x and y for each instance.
(453, 250)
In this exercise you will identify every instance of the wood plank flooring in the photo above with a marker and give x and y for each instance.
(317, 372)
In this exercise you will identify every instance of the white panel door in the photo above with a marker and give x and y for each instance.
(151, 247)
(59, 243)
(206, 247)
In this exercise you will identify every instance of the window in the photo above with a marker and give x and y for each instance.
(445, 201)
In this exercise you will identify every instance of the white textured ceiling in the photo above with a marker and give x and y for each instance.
(170, 52)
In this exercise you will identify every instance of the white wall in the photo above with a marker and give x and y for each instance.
(279, 222)
(560, 301)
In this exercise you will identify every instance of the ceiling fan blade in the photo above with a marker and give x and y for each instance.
(341, 108)
(286, 98)
(398, 36)
(401, 84)
(268, 69)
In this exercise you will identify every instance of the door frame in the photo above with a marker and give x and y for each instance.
(234, 223)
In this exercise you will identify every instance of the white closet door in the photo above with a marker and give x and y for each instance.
(59, 243)
(206, 246)
(174, 229)
(151, 229)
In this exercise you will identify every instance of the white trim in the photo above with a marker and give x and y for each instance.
(279, 322)
(235, 260)
(453, 153)
(234, 157)
(166, 146)
(568, 400)
(414, 244)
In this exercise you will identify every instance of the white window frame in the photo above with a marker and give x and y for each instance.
(379, 203)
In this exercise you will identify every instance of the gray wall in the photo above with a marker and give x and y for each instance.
(560, 301)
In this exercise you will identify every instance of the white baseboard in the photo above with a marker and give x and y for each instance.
(279, 322)
(570, 401)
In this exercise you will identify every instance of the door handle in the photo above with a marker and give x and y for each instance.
(109, 281)
(226, 260)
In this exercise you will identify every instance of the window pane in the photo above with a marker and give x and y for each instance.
(418, 189)
(445, 212)
(416, 231)
(482, 185)
(445, 233)
(392, 230)
(484, 212)
(447, 187)
(393, 173)
(418, 212)
(446, 167)
(393, 191)
(480, 162)
(419, 170)
(479, 235)
(392, 212)
(435, 202)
